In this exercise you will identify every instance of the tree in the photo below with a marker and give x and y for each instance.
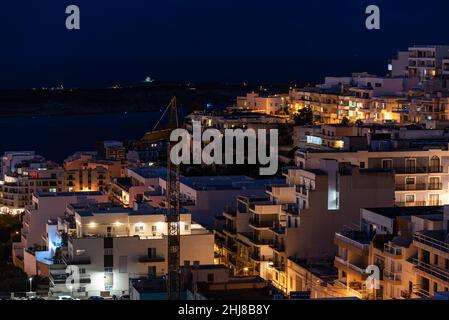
(304, 116)
(359, 122)
(345, 121)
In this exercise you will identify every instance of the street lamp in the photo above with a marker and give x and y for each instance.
(31, 284)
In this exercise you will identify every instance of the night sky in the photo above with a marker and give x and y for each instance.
(207, 40)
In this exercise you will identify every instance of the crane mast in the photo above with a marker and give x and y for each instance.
(173, 208)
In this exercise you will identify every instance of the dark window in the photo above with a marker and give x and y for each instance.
(108, 243)
(108, 261)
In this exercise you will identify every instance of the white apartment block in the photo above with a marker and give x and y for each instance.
(44, 207)
(111, 245)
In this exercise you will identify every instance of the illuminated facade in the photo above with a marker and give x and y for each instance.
(111, 244)
(407, 245)
(421, 176)
(299, 219)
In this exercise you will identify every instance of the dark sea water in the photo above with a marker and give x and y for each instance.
(56, 137)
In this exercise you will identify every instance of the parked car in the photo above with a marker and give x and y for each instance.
(65, 298)
(125, 297)
(95, 298)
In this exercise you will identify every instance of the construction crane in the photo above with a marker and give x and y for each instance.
(172, 216)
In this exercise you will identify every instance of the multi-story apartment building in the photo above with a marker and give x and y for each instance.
(137, 182)
(27, 177)
(11, 158)
(421, 176)
(44, 207)
(89, 160)
(407, 245)
(235, 120)
(89, 179)
(111, 245)
(112, 150)
(426, 62)
(360, 97)
(301, 217)
(265, 104)
(429, 107)
(327, 136)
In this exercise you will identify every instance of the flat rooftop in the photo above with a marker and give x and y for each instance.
(150, 172)
(392, 212)
(145, 209)
(227, 182)
(69, 194)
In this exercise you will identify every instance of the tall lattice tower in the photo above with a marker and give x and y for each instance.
(172, 217)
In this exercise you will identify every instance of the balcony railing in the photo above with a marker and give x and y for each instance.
(358, 269)
(410, 187)
(392, 276)
(419, 170)
(230, 229)
(431, 242)
(362, 242)
(392, 250)
(77, 260)
(419, 186)
(291, 208)
(301, 189)
(258, 242)
(431, 269)
(411, 204)
(61, 278)
(144, 259)
(260, 257)
(278, 246)
(256, 223)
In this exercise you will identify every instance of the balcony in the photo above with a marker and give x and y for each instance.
(77, 260)
(256, 241)
(411, 187)
(418, 170)
(353, 239)
(61, 278)
(257, 257)
(229, 212)
(278, 229)
(435, 186)
(256, 223)
(341, 263)
(392, 277)
(411, 204)
(147, 259)
(230, 230)
(278, 246)
(430, 239)
(430, 270)
(279, 267)
(301, 189)
(419, 187)
(292, 209)
(392, 251)
(270, 189)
